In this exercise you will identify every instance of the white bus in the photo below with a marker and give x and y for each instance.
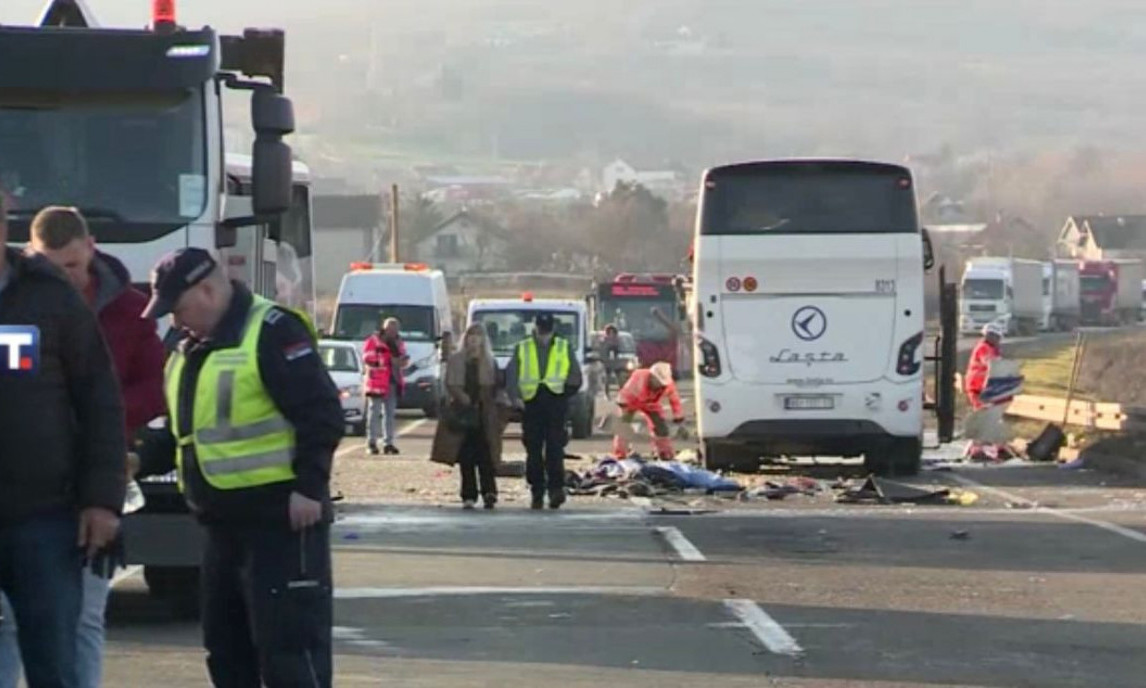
(809, 314)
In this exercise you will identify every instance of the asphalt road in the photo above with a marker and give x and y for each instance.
(804, 592)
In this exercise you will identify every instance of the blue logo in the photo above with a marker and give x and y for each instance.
(19, 349)
(809, 323)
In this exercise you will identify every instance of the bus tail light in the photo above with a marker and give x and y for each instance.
(709, 358)
(907, 363)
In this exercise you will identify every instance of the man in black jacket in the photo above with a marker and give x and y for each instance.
(62, 456)
(257, 418)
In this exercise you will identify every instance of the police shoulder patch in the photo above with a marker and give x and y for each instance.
(297, 350)
(273, 316)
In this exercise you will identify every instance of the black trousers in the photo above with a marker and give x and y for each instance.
(543, 434)
(476, 464)
(266, 620)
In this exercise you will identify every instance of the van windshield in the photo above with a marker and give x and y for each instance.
(508, 327)
(359, 321)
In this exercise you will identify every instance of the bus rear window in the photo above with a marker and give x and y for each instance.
(790, 198)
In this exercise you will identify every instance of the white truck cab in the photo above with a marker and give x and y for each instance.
(417, 296)
(508, 321)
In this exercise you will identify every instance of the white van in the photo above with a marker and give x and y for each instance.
(417, 297)
(508, 321)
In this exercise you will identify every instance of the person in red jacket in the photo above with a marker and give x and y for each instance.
(385, 357)
(61, 235)
(986, 350)
(643, 393)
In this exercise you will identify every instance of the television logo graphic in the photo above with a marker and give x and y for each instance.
(19, 349)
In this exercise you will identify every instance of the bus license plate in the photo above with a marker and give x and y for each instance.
(809, 403)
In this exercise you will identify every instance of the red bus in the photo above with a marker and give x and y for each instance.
(648, 306)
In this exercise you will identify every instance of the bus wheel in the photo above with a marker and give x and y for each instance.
(899, 456)
(582, 419)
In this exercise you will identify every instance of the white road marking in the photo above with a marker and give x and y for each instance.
(457, 591)
(1064, 515)
(402, 432)
(770, 633)
(685, 549)
(123, 575)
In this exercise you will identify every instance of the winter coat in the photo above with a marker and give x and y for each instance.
(637, 395)
(380, 361)
(61, 428)
(132, 341)
(493, 403)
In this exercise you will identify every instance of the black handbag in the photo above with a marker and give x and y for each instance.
(462, 418)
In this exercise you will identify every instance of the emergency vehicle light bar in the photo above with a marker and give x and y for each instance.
(358, 266)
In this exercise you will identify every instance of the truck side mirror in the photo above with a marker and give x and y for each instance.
(270, 177)
(928, 249)
(271, 114)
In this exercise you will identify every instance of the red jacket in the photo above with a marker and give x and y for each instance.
(636, 395)
(979, 365)
(380, 360)
(136, 350)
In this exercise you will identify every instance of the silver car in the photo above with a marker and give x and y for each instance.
(344, 363)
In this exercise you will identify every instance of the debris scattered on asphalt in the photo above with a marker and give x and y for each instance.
(960, 535)
(635, 477)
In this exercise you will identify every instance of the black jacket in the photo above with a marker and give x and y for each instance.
(298, 382)
(61, 428)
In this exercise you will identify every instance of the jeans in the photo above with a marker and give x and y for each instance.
(258, 629)
(543, 434)
(89, 641)
(381, 414)
(40, 572)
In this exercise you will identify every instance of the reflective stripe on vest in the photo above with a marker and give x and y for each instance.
(529, 367)
(241, 439)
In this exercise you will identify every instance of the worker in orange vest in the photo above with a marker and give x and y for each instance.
(643, 393)
(986, 350)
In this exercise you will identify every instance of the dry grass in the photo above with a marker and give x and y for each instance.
(1113, 369)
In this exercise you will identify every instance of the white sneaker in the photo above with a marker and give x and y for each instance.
(468, 505)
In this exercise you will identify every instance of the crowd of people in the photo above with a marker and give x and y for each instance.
(253, 421)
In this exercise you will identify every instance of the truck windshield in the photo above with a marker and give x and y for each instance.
(359, 321)
(1093, 284)
(982, 289)
(508, 327)
(135, 164)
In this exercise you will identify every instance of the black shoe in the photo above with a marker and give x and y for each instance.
(390, 449)
(556, 500)
(489, 501)
(373, 448)
(538, 503)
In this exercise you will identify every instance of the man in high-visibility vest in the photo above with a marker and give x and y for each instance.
(255, 419)
(540, 378)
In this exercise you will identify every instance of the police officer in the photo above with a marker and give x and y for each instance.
(256, 419)
(540, 378)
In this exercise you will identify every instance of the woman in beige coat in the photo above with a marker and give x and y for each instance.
(469, 432)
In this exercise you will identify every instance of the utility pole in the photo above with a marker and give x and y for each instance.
(393, 223)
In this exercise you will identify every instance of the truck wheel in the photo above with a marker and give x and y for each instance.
(582, 420)
(899, 456)
(178, 586)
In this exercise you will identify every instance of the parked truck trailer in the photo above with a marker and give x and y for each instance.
(1061, 304)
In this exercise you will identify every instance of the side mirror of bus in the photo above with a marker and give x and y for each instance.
(270, 177)
(928, 250)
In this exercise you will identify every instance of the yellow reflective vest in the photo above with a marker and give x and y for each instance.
(529, 377)
(240, 438)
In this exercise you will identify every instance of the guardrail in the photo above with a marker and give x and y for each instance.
(1086, 414)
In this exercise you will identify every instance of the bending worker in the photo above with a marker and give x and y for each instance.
(986, 350)
(540, 378)
(643, 393)
(256, 419)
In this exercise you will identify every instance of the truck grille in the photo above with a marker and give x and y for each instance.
(982, 308)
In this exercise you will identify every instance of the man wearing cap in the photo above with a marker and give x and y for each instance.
(256, 419)
(540, 378)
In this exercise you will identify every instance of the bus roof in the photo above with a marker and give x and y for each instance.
(834, 164)
(239, 165)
